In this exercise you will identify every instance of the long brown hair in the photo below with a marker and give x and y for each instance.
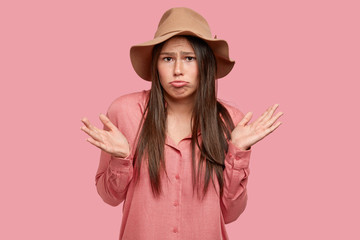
(209, 117)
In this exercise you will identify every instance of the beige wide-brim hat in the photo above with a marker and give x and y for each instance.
(180, 21)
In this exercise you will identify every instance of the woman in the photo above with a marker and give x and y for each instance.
(162, 147)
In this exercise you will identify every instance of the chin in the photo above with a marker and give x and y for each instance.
(177, 95)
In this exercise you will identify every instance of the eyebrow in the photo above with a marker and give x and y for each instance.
(173, 54)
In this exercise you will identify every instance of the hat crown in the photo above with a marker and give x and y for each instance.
(183, 19)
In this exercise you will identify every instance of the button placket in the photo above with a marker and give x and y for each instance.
(177, 188)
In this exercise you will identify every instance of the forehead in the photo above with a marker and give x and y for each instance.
(177, 43)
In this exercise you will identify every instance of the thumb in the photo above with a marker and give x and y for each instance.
(245, 119)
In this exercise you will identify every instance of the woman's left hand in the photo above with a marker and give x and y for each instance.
(245, 135)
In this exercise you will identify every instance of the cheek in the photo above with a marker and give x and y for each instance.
(195, 69)
(195, 74)
(162, 71)
(162, 76)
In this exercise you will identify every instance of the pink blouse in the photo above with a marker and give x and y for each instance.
(177, 214)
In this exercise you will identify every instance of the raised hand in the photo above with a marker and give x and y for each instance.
(112, 141)
(245, 135)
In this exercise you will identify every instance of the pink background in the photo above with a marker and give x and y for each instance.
(63, 60)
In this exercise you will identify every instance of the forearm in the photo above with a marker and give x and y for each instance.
(113, 182)
(235, 175)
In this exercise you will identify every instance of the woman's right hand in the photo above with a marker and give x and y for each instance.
(112, 141)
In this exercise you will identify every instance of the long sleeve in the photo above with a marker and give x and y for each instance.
(115, 174)
(236, 174)
(113, 178)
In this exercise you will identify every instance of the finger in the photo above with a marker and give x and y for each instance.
(245, 119)
(87, 123)
(272, 128)
(85, 129)
(97, 144)
(94, 133)
(262, 116)
(274, 119)
(106, 121)
(269, 113)
(91, 127)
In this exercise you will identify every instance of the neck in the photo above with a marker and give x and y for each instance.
(182, 108)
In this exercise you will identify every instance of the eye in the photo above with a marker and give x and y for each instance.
(189, 58)
(167, 59)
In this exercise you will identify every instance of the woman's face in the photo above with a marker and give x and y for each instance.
(178, 70)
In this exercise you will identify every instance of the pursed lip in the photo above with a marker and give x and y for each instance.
(178, 83)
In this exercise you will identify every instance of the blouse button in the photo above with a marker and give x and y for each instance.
(175, 230)
(176, 203)
(230, 155)
(177, 176)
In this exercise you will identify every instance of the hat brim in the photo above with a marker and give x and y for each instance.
(141, 54)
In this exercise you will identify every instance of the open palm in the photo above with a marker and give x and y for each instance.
(111, 141)
(245, 135)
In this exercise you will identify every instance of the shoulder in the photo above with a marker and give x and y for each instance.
(126, 112)
(128, 103)
(235, 113)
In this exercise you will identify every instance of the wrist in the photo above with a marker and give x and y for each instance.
(123, 154)
(241, 147)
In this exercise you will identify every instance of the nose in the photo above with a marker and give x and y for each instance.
(178, 68)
